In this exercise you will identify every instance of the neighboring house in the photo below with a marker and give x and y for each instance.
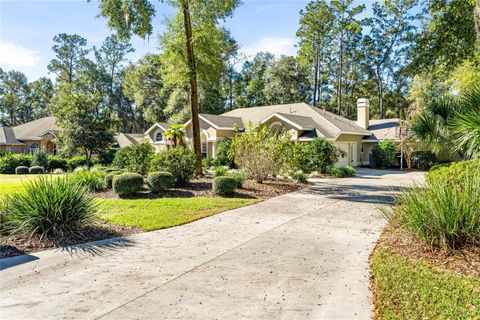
(30, 136)
(304, 123)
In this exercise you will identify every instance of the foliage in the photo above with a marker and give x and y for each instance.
(55, 207)
(261, 151)
(224, 185)
(36, 170)
(222, 157)
(207, 163)
(384, 154)
(106, 157)
(321, 154)
(220, 171)
(40, 158)
(442, 215)
(134, 158)
(423, 160)
(127, 183)
(80, 161)
(93, 180)
(239, 176)
(21, 170)
(341, 172)
(180, 162)
(176, 134)
(410, 289)
(9, 162)
(159, 181)
(299, 176)
(452, 174)
(56, 162)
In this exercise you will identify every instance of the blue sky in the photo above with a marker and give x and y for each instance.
(27, 28)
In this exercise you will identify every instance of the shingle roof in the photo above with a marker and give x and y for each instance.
(305, 123)
(223, 121)
(7, 137)
(127, 139)
(384, 129)
(34, 130)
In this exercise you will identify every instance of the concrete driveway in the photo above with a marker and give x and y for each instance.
(303, 255)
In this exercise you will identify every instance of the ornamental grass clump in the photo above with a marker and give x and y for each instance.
(92, 180)
(49, 206)
(442, 214)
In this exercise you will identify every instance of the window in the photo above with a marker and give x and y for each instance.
(158, 136)
(204, 148)
(33, 148)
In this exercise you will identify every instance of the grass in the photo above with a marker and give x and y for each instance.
(10, 183)
(407, 289)
(153, 214)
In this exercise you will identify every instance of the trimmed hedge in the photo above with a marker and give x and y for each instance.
(239, 176)
(79, 161)
(159, 181)
(224, 185)
(109, 178)
(56, 162)
(21, 170)
(36, 170)
(10, 161)
(341, 172)
(423, 160)
(454, 173)
(127, 183)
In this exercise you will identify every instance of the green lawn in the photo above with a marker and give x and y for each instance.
(10, 183)
(153, 214)
(407, 289)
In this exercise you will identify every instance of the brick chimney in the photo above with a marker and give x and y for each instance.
(363, 106)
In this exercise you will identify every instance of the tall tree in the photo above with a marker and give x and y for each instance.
(70, 54)
(13, 98)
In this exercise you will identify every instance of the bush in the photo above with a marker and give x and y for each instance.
(106, 158)
(80, 161)
(127, 183)
(21, 170)
(92, 180)
(135, 158)
(56, 207)
(109, 178)
(180, 162)
(239, 176)
(40, 159)
(423, 160)
(207, 163)
(320, 154)
(36, 170)
(224, 185)
(299, 176)
(220, 171)
(341, 172)
(223, 157)
(383, 154)
(160, 181)
(454, 173)
(9, 162)
(56, 162)
(441, 215)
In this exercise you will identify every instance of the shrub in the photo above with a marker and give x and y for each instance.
(159, 181)
(454, 173)
(49, 207)
(220, 171)
(222, 154)
(9, 162)
(348, 170)
(21, 170)
(423, 160)
(207, 163)
(36, 170)
(40, 159)
(109, 178)
(299, 176)
(441, 215)
(106, 158)
(135, 158)
(180, 162)
(80, 161)
(224, 185)
(56, 162)
(320, 154)
(383, 154)
(92, 180)
(341, 172)
(127, 183)
(239, 176)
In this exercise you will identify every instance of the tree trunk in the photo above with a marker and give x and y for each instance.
(380, 92)
(339, 80)
(476, 18)
(193, 88)
(315, 78)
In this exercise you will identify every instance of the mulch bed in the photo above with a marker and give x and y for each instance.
(198, 187)
(464, 261)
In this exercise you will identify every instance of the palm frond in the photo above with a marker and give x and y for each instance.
(466, 134)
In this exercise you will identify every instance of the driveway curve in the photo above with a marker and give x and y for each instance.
(303, 255)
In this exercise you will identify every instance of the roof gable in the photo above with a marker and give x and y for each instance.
(35, 129)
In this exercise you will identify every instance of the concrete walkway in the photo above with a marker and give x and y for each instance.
(303, 255)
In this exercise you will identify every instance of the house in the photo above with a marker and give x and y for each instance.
(30, 136)
(304, 123)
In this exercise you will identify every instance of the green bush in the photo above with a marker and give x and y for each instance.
(80, 161)
(127, 183)
(9, 162)
(207, 163)
(49, 207)
(423, 160)
(220, 171)
(36, 170)
(109, 178)
(239, 176)
(160, 181)
(320, 154)
(180, 162)
(341, 172)
(223, 157)
(383, 154)
(454, 173)
(442, 215)
(299, 176)
(106, 158)
(224, 185)
(92, 180)
(135, 158)
(21, 170)
(40, 159)
(56, 162)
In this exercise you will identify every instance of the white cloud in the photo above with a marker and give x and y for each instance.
(275, 45)
(14, 55)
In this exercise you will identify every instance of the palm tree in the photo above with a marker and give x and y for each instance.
(176, 134)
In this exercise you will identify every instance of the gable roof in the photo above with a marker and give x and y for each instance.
(34, 130)
(7, 137)
(127, 139)
(222, 122)
(384, 129)
(162, 125)
(299, 122)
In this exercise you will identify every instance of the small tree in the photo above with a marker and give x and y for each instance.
(261, 151)
(134, 158)
(176, 134)
(384, 154)
(40, 158)
(321, 154)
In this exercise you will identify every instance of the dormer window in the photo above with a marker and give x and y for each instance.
(158, 136)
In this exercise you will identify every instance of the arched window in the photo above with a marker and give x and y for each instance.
(158, 136)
